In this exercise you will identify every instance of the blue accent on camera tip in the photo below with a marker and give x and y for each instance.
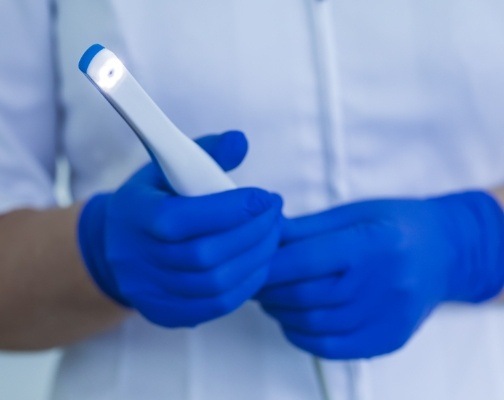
(88, 56)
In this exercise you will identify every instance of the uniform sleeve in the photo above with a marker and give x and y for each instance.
(28, 111)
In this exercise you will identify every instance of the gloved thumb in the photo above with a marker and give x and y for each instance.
(227, 149)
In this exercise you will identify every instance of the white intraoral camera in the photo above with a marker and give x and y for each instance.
(189, 170)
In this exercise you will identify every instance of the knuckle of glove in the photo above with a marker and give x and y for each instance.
(166, 224)
(218, 282)
(203, 256)
(311, 322)
(223, 305)
(327, 349)
(201, 284)
(300, 296)
(407, 319)
(393, 342)
(258, 201)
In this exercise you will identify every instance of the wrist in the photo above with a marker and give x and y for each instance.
(474, 224)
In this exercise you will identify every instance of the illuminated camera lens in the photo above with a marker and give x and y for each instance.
(110, 73)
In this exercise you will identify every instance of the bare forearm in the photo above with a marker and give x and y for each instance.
(46, 296)
(499, 195)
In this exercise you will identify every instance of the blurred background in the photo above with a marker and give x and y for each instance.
(27, 376)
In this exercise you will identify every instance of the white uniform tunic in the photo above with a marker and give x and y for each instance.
(340, 99)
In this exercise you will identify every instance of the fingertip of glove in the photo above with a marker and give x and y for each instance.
(230, 149)
(276, 199)
(236, 137)
(259, 201)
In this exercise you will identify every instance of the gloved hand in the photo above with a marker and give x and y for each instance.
(181, 261)
(358, 280)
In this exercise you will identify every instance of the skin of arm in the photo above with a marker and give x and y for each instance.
(499, 195)
(47, 298)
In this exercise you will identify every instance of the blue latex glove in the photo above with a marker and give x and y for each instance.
(181, 261)
(358, 280)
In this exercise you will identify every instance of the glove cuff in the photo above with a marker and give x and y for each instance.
(91, 238)
(476, 223)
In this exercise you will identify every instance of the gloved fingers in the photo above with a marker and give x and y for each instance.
(174, 219)
(331, 253)
(363, 310)
(227, 149)
(208, 252)
(328, 291)
(388, 322)
(322, 321)
(371, 341)
(339, 218)
(169, 311)
(220, 279)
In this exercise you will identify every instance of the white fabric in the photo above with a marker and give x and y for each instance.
(340, 100)
(28, 113)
